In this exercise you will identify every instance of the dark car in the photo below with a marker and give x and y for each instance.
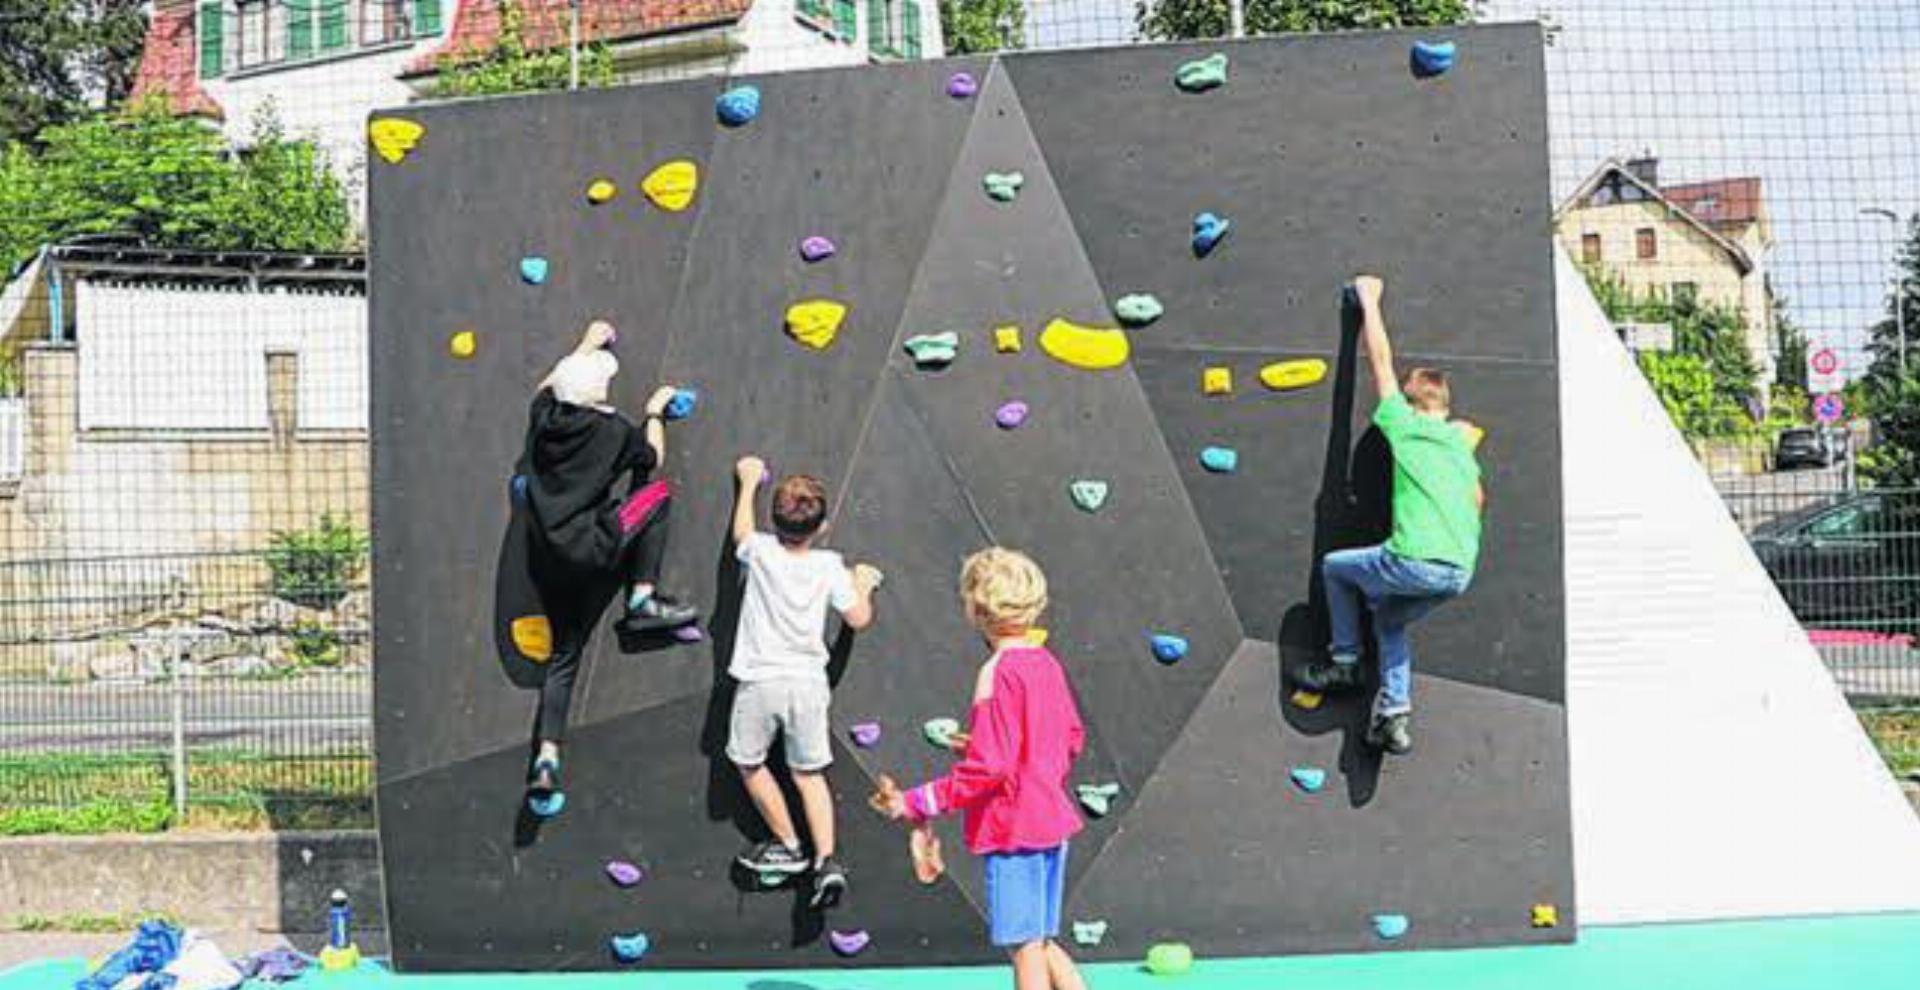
(1805, 446)
(1855, 558)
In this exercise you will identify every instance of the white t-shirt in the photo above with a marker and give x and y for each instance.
(783, 616)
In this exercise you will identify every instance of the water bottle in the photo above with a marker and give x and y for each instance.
(339, 921)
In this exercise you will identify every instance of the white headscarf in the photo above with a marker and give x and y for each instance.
(582, 379)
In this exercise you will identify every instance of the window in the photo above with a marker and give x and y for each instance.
(1645, 247)
(846, 20)
(212, 28)
(1685, 294)
(1858, 519)
(276, 32)
(1590, 248)
(893, 28)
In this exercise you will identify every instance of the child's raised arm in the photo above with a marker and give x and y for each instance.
(749, 471)
(1373, 327)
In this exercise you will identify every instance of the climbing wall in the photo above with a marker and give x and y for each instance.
(1240, 822)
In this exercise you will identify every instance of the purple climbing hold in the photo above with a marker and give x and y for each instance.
(689, 633)
(623, 873)
(816, 248)
(849, 943)
(1011, 415)
(962, 85)
(866, 735)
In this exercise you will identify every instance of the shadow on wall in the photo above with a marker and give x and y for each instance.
(1354, 508)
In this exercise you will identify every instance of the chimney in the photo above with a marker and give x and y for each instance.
(1646, 168)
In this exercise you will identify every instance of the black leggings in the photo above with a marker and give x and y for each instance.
(573, 628)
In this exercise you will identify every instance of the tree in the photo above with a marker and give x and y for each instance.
(970, 27)
(57, 55)
(169, 181)
(1895, 460)
(510, 66)
(1790, 349)
(1168, 20)
(1712, 338)
(1884, 343)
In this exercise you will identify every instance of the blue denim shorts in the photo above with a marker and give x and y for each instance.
(1024, 895)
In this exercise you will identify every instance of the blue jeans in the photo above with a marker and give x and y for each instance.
(1398, 590)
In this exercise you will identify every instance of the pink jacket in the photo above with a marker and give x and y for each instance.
(1012, 780)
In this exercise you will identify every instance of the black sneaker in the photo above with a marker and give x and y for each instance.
(1328, 677)
(829, 885)
(772, 858)
(1393, 733)
(657, 612)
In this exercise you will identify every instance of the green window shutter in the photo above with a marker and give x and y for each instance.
(812, 8)
(877, 26)
(212, 25)
(910, 29)
(333, 24)
(846, 20)
(299, 29)
(426, 18)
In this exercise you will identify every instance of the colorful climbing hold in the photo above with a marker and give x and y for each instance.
(1220, 460)
(1089, 933)
(547, 805)
(1097, 798)
(1090, 348)
(865, 735)
(1003, 186)
(1202, 74)
(533, 269)
(1431, 58)
(1169, 959)
(1138, 309)
(630, 948)
(517, 489)
(939, 732)
(1010, 415)
(671, 186)
(933, 350)
(962, 85)
(1088, 493)
(394, 137)
(1208, 230)
(689, 633)
(1168, 648)
(1390, 926)
(738, 105)
(462, 344)
(1036, 637)
(849, 943)
(533, 636)
(816, 248)
(1217, 381)
(1546, 916)
(929, 865)
(623, 873)
(682, 404)
(815, 322)
(1309, 779)
(1474, 433)
(601, 191)
(1306, 700)
(1006, 339)
(1283, 375)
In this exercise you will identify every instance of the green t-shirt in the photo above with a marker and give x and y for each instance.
(1435, 513)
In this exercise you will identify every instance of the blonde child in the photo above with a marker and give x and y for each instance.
(1024, 732)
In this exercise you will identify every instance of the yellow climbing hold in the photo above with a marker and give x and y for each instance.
(463, 344)
(1092, 348)
(1217, 381)
(1293, 374)
(1307, 700)
(393, 137)
(671, 186)
(815, 322)
(1546, 916)
(533, 637)
(1006, 339)
(1474, 433)
(601, 190)
(1036, 637)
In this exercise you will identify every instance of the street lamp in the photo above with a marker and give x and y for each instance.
(1899, 287)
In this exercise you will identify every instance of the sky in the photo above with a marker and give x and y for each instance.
(1819, 98)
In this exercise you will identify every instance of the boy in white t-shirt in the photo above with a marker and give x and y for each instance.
(780, 662)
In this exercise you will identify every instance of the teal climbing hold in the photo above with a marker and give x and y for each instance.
(533, 269)
(547, 805)
(933, 350)
(1097, 798)
(1088, 493)
(738, 105)
(1432, 58)
(630, 948)
(1168, 648)
(1138, 309)
(682, 403)
(1202, 74)
(1309, 779)
(1090, 933)
(940, 731)
(1003, 186)
(1208, 230)
(1220, 460)
(1390, 926)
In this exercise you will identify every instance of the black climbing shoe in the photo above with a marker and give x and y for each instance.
(829, 885)
(771, 858)
(657, 612)
(1328, 677)
(1393, 733)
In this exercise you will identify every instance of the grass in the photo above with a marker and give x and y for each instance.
(1896, 733)
(226, 791)
(85, 924)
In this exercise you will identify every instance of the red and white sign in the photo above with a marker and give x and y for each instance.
(1823, 372)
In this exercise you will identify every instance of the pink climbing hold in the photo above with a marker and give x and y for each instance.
(623, 873)
(816, 248)
(689, 633)
(962, 85)
(1011, 415)
(866, 735)
(849, 943)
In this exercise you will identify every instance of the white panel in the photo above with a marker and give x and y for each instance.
(1717, 771)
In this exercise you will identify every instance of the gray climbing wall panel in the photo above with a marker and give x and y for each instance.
(1328, 157)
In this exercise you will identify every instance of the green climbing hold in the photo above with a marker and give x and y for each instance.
(1097, 798)
(1003, 186)
(1138, 309)
(1088, 493)
(940, 731)
(933, 350)
(1202, 74)
(1170, 959)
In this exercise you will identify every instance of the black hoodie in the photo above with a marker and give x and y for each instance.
(575, 459)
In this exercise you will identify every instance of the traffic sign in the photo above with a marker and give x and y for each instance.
(1823, 372)
(1830, 408)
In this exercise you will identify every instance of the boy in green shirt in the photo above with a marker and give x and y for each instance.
(1437, 499)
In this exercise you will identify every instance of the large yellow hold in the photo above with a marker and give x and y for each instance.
(815, 322)
(393, 137)
(1283, 375)
(533, 637)
(1091, 348)
(671, 186)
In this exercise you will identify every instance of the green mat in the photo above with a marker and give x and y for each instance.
(1870, 952)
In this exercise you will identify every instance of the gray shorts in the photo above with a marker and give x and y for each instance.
(794, 709)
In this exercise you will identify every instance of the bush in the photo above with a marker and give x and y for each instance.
(315, 645)
(315, 568)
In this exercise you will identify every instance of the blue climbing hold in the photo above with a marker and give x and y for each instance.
(682, 403)
(518, 488)
(1168, 648)
(1431, 58)
(533, 269)
(547, 805)
(630, 948)
(1208, 229)
(1220, 460)
(1390, 926)
(738, 105)
(1309, 779)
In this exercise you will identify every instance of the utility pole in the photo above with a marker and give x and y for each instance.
(573, 44)
(1899, 288)
(1238, 12)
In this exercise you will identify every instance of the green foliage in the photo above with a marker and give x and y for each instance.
(1790, 349)
(316, 567)
(1884, 344)
(1707, 394)
(314, 644)
(1895, 401)
(169, 181)
(1167, 20)
(54, 54)
(510, 66)
(973, 26)
(91, 818)
(87, 924)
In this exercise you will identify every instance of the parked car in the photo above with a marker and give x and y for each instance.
(1852, 559)
(1806, 446)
